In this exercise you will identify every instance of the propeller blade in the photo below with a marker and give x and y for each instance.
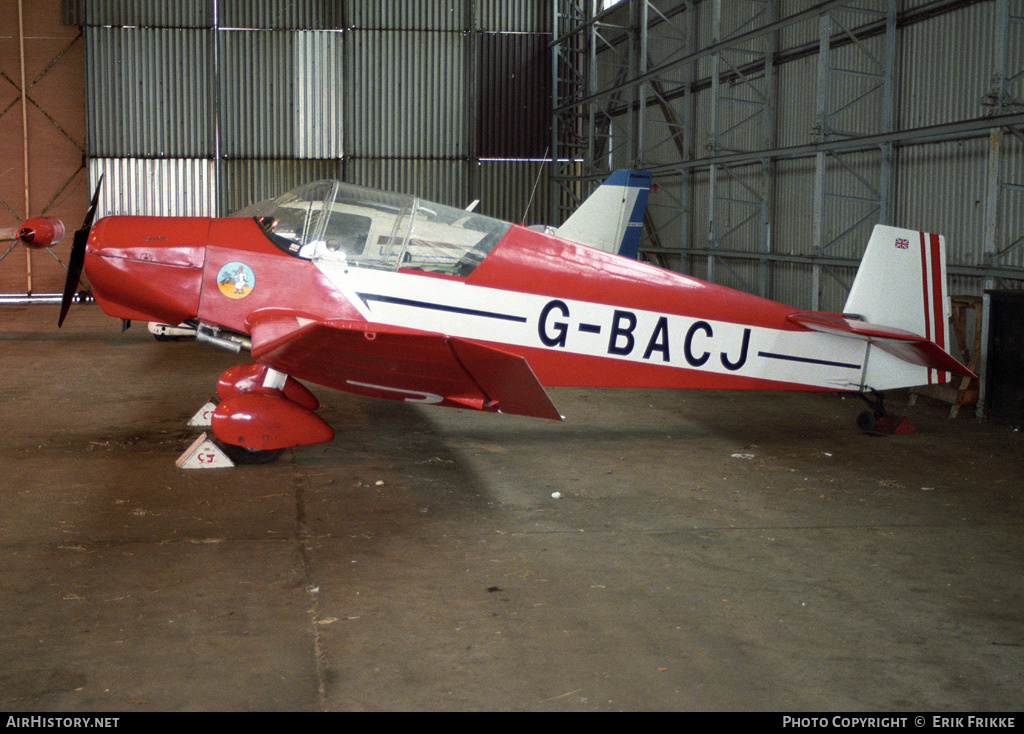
(77, 260)
(74, 273)
(91, 211)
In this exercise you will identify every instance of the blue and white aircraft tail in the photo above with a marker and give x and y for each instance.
(612, 218)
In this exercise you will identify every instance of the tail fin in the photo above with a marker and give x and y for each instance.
(899, 304)
(901, 283)
(611, 219)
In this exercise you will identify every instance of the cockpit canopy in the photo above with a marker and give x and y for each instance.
(331, 220)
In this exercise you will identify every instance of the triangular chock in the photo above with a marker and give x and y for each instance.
(202, 417)
(204, 454)
(891, 424)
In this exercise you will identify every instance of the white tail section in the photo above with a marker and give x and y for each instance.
(611, 219)
(901, 284)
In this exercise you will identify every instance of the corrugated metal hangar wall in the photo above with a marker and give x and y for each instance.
(780, 132)
(199, 107)
(228, 102)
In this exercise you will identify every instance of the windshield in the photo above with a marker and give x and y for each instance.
(370, 228)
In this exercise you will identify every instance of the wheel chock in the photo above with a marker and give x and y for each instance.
(202, 417)
(885, 424)
(891, 424)
(204, 454)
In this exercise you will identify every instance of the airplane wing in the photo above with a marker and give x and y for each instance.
(897, 342)
(401, 364)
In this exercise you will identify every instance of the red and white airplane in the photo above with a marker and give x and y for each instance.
(394, 297)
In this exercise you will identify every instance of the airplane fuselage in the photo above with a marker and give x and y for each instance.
(390, 296)
(578, 316)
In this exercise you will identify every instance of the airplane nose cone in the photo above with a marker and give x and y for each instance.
(40, 232)
(147, 268)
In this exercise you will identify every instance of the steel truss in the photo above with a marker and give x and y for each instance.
(634, 86)
(743, 102)
(846, 201)
(1005, 184)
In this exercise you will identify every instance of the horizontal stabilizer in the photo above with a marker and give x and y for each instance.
(897, 342)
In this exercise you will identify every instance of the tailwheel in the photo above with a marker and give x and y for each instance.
(879, 422)
(868, 420)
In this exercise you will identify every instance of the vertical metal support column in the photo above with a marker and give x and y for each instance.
(589, 84)
(595, 121)
(613, 40)
(1006, 95)
(665, 124)
(688, 125)
(215, 111)
(769, 137)
(24, 129)
(993, 190)
(888, 122)
(471, 65)
(820, 135)
(713, 144)
(862, 105)
(571, 137)
(641, 12)
(743, 102)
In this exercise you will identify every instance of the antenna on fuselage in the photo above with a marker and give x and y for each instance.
(535, 185)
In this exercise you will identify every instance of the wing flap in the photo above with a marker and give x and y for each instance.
(400, 364)
(506, 377)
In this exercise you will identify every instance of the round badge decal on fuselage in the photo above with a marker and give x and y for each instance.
(236, 280)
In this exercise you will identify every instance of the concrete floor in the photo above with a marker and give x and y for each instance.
(709, 551)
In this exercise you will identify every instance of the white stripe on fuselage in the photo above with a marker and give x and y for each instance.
(500, 316)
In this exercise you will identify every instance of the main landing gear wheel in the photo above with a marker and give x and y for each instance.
(244, 455)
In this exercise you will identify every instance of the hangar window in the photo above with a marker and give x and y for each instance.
(330, 220)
